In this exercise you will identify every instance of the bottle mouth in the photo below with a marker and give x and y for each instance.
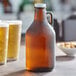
(40, 5)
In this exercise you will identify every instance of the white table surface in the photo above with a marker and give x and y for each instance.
(65, 66)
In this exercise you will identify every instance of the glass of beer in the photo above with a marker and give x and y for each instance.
(4, 29)
(14, 39)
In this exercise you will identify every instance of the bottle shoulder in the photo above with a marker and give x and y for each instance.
(37, 28)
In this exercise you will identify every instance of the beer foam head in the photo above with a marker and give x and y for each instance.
(13, 22)
(4, 24)
(40, 5)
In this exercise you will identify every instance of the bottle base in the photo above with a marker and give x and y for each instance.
(40, 70)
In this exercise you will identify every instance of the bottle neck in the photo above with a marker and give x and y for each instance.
(40, 14)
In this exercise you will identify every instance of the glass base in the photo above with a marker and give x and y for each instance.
(11, 59)
(41, 70)
(2, 63)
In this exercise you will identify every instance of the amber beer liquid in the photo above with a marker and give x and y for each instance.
(14, 39)
(40, 43)
(4, 29)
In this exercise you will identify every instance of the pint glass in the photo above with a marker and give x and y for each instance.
(14, 39)
(4, 28)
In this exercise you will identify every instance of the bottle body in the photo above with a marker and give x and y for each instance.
(40, 46)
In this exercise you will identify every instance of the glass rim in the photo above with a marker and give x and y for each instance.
(11, 22)
(4, 24)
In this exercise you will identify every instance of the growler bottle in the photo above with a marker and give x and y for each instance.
(7, 6)
(40, 42)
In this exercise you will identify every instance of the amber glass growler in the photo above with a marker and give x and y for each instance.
(40, 42)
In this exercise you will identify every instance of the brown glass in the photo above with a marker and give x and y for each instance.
(40, 44)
